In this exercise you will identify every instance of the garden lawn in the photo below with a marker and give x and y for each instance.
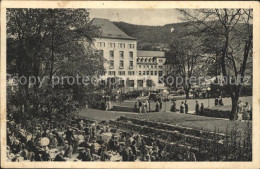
(191, 102)
(186, 120)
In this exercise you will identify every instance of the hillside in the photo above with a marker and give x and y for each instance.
(151, 37)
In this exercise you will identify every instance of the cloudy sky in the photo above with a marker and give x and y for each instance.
(138, 16)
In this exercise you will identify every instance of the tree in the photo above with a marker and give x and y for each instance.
(44, 43)
(185, 50)
(232, 30)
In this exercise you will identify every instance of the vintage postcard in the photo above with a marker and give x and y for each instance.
(130, 84)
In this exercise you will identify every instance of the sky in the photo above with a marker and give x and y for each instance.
(153, 17)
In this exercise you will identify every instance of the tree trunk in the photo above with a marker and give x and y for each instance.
(187, 93)
(233, 113)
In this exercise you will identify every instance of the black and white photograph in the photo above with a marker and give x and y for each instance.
(90, 84)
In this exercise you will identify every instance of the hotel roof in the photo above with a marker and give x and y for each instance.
(145, 53)
(110, 30)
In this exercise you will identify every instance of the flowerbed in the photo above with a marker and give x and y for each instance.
(171, 127)
(216, 113)
(171, 136)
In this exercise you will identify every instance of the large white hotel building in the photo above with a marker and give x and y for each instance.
(137, 69)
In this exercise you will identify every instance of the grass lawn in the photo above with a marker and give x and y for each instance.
(187, 120)
(191, 102)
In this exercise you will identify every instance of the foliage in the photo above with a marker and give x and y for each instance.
(46, 44)
(227, 35)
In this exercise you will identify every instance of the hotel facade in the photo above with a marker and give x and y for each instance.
(135, 69)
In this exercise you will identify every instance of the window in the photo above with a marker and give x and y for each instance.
(111, 73)
(145, 60)
(155, 73)
(111, 64)
(121, 55)
(148, 66)
(131, 73)
(143, 72)
(131, 65)
(111, 54)
(121, 73)
(121, 64)
(160, 60)
(152, 66)
(155, 67)
(131, 56)
(131, 83)
(140, 66)
(160, 73)
(137, 59)
(122, 83)
(150, 60)
(121, 45)
(147, 73)
(151, 73)
(131, 46)
(160, 67)
(140, 73)
(111, 45)
(142, 60)
(101, 44)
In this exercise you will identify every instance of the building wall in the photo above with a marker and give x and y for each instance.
(134, 77)
(149, 70)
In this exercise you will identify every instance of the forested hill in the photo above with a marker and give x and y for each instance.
(151, 36)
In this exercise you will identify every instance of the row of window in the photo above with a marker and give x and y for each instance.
(152, 73)
(121, 73)
(131, 83)
(113, 45)
(121, 64)
(150, 66)
(121, 55)
(148, 60)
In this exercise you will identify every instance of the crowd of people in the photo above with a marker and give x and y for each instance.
(145, 106)
(244, 111)
(80, 140)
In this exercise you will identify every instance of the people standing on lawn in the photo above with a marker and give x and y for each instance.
(108, 105)
(216, 101)
(135, 107)
(248, 111)
(160, 101)
(240, 110)
(140, 109)
(197, 108)
(147, 106)
(220, 102)
(157, 106)
(139, 104)
(186, 107)
(182, 106)
(202, 109)
(173, 106)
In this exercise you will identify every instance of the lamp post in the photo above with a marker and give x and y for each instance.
(208, 90)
